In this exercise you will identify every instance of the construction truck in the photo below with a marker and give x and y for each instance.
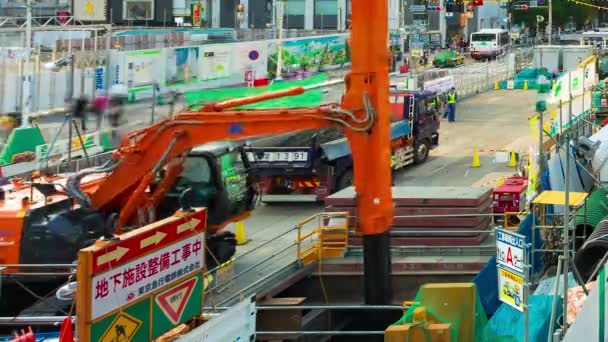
(319, 163)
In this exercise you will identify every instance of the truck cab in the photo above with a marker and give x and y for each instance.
(218, 175)
(318, 163)
(415, 107)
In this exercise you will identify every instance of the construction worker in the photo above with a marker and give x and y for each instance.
(433, 102)
(452, 105)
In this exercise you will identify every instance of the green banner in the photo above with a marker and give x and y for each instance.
(310, 98)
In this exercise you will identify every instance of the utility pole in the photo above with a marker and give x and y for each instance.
(550, 23)
(279, 27)
(26, 94)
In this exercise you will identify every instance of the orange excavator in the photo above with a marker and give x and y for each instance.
(127, 191)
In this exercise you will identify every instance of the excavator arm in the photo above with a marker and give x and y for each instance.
(365, 120)
(143, 153)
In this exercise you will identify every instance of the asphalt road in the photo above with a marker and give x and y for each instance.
(492, 120)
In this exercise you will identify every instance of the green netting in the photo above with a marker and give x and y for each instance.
(310, 98)
(437, 311)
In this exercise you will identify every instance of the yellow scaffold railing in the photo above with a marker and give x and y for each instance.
(511, 220)
(327, 239)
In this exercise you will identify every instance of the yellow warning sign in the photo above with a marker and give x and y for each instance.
(122, 329)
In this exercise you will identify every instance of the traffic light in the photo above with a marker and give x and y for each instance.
(433, 8)
(522, 7)
(477, 2)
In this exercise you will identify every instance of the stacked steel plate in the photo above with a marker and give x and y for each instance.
(449, 205)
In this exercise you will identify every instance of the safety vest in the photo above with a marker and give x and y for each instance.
(451, 98)
(433, 102)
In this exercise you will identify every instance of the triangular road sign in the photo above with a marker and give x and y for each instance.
(173, 301)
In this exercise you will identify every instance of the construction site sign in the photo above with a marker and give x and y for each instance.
(510, 250)
(511, 288)
(144, 283)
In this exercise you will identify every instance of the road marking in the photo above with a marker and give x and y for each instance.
(189, 225)
(114, 255)
(152, 240)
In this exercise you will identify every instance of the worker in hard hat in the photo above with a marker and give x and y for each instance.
(451, 111)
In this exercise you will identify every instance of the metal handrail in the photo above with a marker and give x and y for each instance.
(336, 234)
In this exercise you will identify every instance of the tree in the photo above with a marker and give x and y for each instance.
(564, 11)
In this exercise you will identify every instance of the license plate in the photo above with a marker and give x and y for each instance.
(278, 156)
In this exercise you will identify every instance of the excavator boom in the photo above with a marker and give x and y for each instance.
(365, 120)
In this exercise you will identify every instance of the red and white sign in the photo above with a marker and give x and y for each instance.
(173, 301)
(126, 283)
(133, 245)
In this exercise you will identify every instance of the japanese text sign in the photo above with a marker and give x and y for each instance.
(510, 250)
(122, 279)
(511, 289)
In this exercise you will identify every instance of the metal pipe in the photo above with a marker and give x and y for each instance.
(255, 249)
(334, 307)
(248, 269)
(451, 216)
(598, 267)
(439, 231)
(38, 265)
(322, 333)
(36, 274)
(566, 237)
(243, 290)
(554, 304)
(27, 320)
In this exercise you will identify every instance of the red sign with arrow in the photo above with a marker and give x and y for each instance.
(134, 244)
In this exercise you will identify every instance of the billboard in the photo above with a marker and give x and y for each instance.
(182, 64)
(144, 67)
(91, 10)
(215, 61)
(138, 10)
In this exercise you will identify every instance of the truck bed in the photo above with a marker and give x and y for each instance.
(300, 139)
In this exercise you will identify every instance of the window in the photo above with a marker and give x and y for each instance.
(295, 7)
(138, 10)
(326, 7)
(196, 170)
(483, 37)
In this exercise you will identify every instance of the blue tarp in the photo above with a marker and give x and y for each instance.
(508, 322)
(487, 279)
(341, 148)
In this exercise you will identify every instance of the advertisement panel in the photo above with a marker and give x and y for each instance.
(91, 10)
(138, 10)
(144, 67)
(215, 61)
(311, 54)
(182, 64)
(511, 289)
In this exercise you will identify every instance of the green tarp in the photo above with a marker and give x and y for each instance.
(310, 98)
(21, 139)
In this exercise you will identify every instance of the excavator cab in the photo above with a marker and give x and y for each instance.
(217, 174)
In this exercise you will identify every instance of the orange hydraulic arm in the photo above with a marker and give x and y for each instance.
(365, 120)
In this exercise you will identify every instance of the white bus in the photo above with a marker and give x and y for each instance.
(489, 43)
